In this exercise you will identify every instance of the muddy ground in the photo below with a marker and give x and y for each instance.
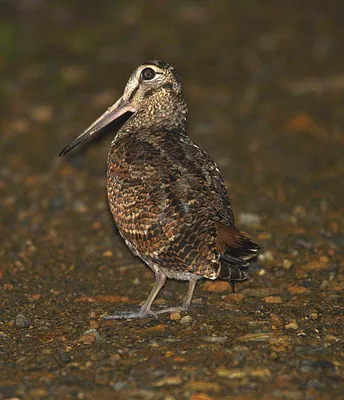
(265, 88)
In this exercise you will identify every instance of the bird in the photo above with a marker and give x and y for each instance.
(166, 194)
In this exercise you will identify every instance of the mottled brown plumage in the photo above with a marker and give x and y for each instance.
(166, 194)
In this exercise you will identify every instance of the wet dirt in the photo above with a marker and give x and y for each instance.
(265, 88)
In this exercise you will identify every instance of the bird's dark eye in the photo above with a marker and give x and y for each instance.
(147, 74)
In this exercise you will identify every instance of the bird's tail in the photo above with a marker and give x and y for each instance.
(236, 250)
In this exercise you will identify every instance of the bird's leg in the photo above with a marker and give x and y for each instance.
(145, 310)
(187, 301)
(191, 289)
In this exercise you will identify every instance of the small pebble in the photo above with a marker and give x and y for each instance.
(249, 219)
(215, 339)
(90, 337)
(175, 316)
(254, 337)
(299, 211)
(186, 320)
(266, 256)
(120, 385)
(324, 285)
(42, 113)
(263, 236)
(216, 287)
(297, 289)
(79, 206)
(292, 325)
(169, 381)
(276, 321)
(233, 297)
(94, 324)
(21, 321)
(273, 299)
(313, 315)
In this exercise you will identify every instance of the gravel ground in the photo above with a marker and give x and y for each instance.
(265, 88)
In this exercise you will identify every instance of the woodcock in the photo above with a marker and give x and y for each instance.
(166, 194)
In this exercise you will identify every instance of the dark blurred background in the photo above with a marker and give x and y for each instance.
(264, 82)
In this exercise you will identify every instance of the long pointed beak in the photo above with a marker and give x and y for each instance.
(119, 108)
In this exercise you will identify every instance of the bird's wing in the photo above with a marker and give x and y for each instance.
(179, 197)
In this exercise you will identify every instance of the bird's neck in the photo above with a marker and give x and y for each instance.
(172, 115)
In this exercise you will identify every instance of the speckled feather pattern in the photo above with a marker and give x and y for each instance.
(165, 194)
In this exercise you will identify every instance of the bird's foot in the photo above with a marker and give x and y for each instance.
(145, 313)
(131, 315)
(171, 309)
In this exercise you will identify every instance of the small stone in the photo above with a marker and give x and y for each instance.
(266, 256)
(201, 396)
(299, 211)
(96, 225)
(249, 219)
(79, 206)
(261, 292)
(42, 113)
(104, 299)
(324, 285)
(313, 315)
(260, 373)
(234, 297)
(37, 393)
(255, 337)
(93, 324)
(203, 385)
(160, 328)
(175, 316)
(120, 385)
(263, 236)
(21, 321)
(273, 299)
(231, 373)
(292, 325)
(296, 289)
(324, 259)
(217, 287)
(80, 395)
(169, 381)
(215, 339)
(91, 337)
(186, 320)
(276, 321)
(315, 265)
(287, 264)
(332, 338)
